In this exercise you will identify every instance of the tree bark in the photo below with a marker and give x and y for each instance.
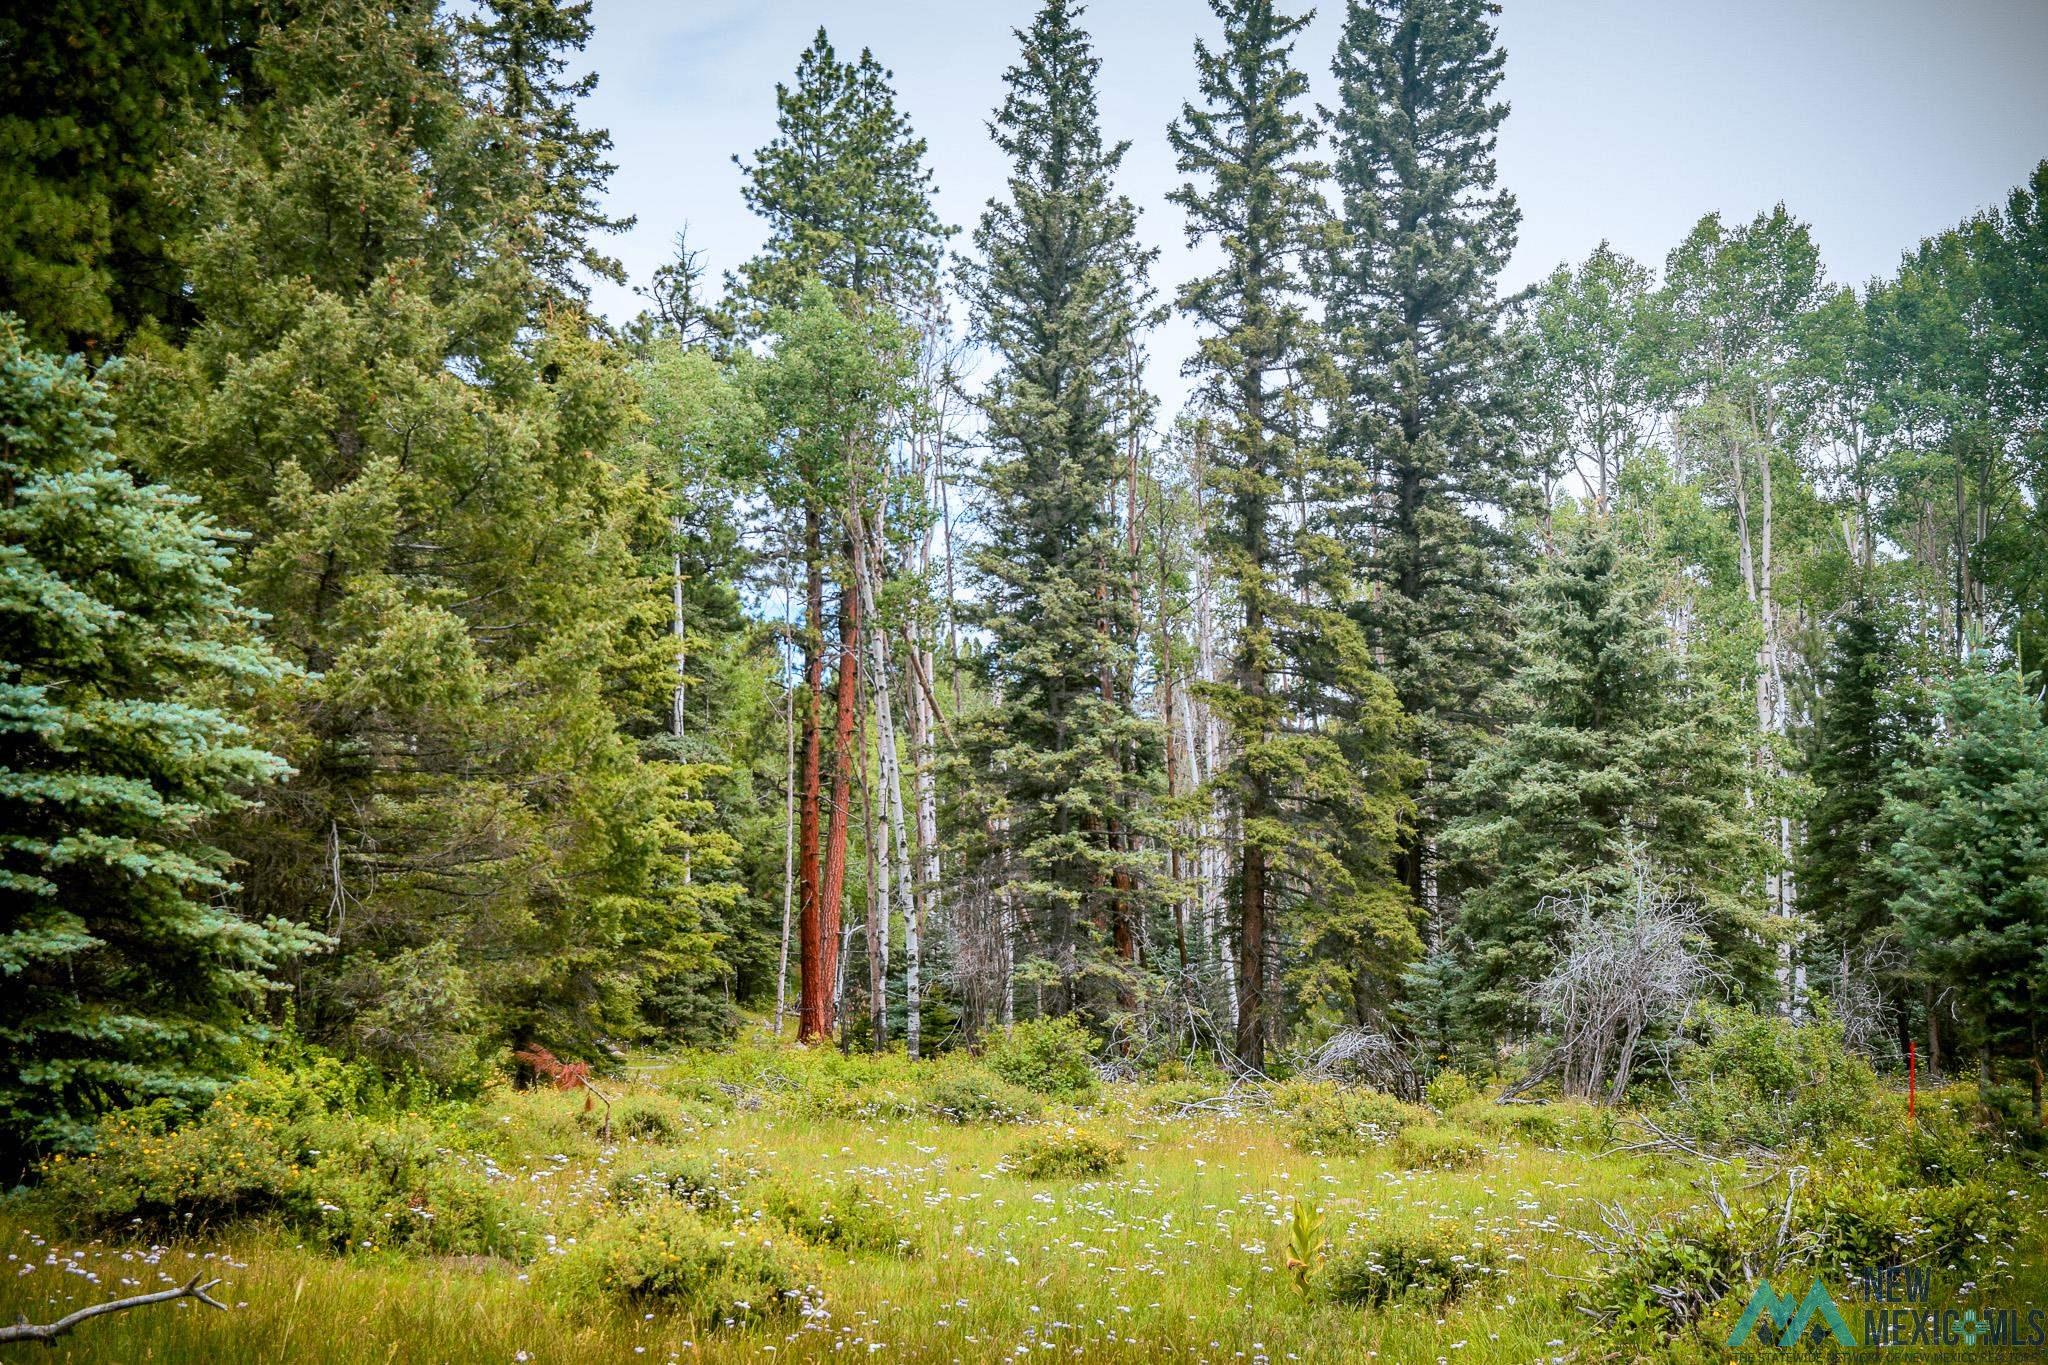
(832, 896)
(815, 953)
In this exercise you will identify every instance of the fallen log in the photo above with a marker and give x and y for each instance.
(24, 1330)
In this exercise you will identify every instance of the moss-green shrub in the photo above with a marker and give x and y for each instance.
(1432, 1267)
(1438, 1147)
(973, 1095)
(1765, 1080)
(665, 1258)
(1448, 1089)
(645, 1120)
(847, 1217)
(409, 1182)
(1053, 1057)
(1323, 1116)
(1558, 1123)
(1075, 1152)
(692, 1181)
(1172, 1098)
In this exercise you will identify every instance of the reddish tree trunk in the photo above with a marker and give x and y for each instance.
(814, 996)
(833, 894)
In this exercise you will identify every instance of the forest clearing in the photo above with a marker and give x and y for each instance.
(1226, 699)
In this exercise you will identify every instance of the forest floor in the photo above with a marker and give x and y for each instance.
(1179, 1253)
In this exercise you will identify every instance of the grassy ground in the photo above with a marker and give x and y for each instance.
(1177, 1255)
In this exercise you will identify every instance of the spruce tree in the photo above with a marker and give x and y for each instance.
(1313, 793)
(129, 978)
(1967, 826)
(1057, 296)
(1427, 432)
(1614, 741)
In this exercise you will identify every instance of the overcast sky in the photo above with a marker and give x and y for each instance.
(1877, 121)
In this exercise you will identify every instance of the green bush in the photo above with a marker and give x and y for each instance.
(405, 1183)
(666, 1258)
(1857, 1218)
(1763, 1080)
(1323, 1116)
(1448, 1089)
(1558, 1123)
(843, 1216)
(692, 1181)
(1438, 1148)
(1661, 1279)
(642, 1120)
(1431, 1267)
(1051, 1156)
(1053, 1057)
(976, 1096)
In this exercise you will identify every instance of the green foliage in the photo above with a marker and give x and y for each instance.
(1438, 1147)
(644, 1120)
(664, 1258)
(1305, 1243)
(130, 975)
(1615, 745)
(1432, 1267)
(1058, 296)
(1967, 824)
(704, 1185)
(1058, 1155)
(843, 187)
(971, 1095)
(1448, 1089)
(1764, 1080)
(1323, 1116)
(846, 1217)
(410, 1182)
(1053, 1057)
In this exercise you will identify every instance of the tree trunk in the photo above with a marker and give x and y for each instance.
(816, 952)
(832, 897)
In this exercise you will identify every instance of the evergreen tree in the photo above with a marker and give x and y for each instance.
(128, 978)
(1968, 826)
(1057, 297)
(1313, 794)
(1428, 429)
(1614, 741)
(516, 57)
(441, 544)
(95, 96)
(846, 194)
(843, 186)
(1865, 723)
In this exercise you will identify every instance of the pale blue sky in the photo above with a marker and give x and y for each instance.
(1878, 121)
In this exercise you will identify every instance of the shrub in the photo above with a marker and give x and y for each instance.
(975, 1096)
(1448, 1089)
(1322, 1116)
(1763, 1080)
(842, 1216)
(647, 1121)
(1050, 1156)
(666, 1258)
(1662, 1279)
(1857, 1218)
(1438, 1148)
(1559, 1123)
(1430, 1266)
(403, 1183)
(691, 1181)
(1054, 1057)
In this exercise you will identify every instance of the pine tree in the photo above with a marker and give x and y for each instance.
(128, 977)
(1057, 296)
(1613, 741)
(1967, 825)
(843, 186)
(846, 194)
(1314, 796)
(377, 395)
(1428, 429)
